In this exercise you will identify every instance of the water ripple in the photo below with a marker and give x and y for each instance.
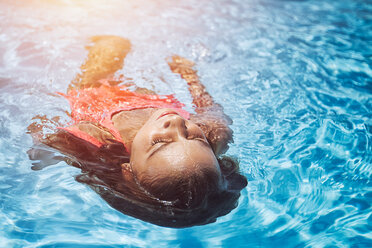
(295, 77)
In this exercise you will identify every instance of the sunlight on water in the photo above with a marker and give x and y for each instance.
(295, 77)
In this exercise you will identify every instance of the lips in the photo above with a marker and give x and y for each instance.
(167, 113)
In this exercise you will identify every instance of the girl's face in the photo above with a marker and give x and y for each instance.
(170, 147)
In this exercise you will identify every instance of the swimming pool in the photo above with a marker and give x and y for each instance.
(295, 76)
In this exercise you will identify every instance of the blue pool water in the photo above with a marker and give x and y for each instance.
(295, 77)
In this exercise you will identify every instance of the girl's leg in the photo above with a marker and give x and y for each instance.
(106, 56)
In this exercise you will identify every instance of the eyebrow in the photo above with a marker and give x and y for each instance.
(206, 144)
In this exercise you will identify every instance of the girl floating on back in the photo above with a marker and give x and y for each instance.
(144, 154)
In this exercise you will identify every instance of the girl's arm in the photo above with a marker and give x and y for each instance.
(202, 100)
(106, 56)
(210, 116)
(85, 141)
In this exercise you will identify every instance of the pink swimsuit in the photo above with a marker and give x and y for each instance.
(98, 105)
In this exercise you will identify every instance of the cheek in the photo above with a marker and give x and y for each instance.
(137, 156)
(140, 141)
(139, 170)
(195, 129)
(201, 155)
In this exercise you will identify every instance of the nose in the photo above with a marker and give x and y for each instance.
(177, 123)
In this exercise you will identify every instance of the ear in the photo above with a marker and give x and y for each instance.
(126, 172)
(125, 166)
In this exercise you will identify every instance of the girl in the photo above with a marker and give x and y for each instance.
(144, 154)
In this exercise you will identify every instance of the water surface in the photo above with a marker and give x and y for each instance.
(295, 76)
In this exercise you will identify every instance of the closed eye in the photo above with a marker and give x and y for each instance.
(160, 140)
(196, 136)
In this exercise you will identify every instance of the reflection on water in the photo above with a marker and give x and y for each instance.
(295, 76)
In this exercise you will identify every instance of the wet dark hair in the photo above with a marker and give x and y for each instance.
(188, 189)
(196, 201)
